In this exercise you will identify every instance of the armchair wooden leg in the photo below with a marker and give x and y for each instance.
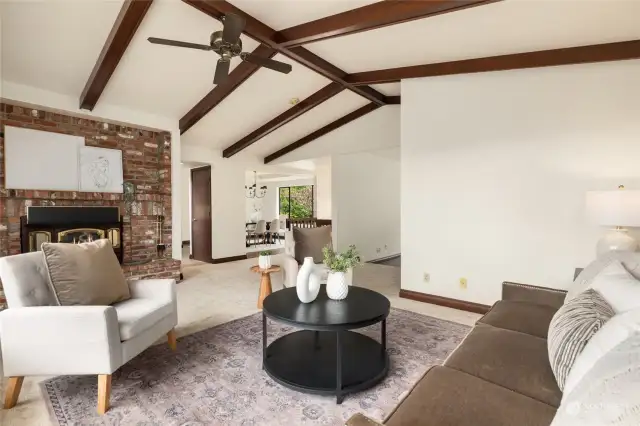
(13, 391)
(104, 392)
(171, 338)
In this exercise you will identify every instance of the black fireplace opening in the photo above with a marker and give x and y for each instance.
(72, 225)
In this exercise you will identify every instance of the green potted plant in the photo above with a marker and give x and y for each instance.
(264, 261)
(340, 270)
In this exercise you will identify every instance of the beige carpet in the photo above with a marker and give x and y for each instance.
(216, 378)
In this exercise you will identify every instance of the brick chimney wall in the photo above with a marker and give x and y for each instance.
(146, 157)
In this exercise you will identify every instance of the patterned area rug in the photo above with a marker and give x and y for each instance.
(216, 378)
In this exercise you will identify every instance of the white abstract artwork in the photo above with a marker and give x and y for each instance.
(100, 170)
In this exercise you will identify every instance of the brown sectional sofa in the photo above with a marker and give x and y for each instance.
(499, 375)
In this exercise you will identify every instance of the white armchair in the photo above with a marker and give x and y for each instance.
(40, 338)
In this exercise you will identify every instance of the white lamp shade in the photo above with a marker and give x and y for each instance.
(620, 207)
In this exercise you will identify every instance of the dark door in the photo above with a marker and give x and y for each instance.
(201, 214)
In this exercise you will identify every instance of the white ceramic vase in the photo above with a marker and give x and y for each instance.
(308, 281)
(337, 287)
(264, 262)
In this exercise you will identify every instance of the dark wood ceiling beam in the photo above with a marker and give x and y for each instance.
(131, 15)
(266, 35)
(236, 77)
(545, 58)
(298, 109)
(393, 100)
(369, 17)
(322, 131)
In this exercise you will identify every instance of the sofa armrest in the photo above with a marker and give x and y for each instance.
(55, 340)
(529, 293)
(361, 420)
(160, 289)
(289, 270)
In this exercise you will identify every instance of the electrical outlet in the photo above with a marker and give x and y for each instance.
(463, 283)
(426, 277)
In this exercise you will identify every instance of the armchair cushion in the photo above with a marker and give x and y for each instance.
(85, 274)
(310, 242)
(137, 315)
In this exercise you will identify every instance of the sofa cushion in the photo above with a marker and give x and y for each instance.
(137, 315)
(572, 327)
(447, 397)
(524, 317)
(85, 274)
(309, 242)
(511, 359)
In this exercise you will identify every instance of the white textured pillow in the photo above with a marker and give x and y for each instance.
(618, 287)
(615, 331)
(630, 260)
(609, 395)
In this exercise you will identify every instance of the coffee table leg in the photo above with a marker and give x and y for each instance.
(339, 396)
(264, 338)
(384, 336)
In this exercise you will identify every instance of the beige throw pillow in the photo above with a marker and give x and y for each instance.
(85, 274)
(309, 242)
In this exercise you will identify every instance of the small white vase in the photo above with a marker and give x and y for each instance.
(307, 281)
(264, 262)
(337, 287)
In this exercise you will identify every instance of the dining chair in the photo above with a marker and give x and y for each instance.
(274, 230)
(260, 231)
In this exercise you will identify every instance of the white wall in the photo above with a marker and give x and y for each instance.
(366, 202)
(495, 167)
(323, 190)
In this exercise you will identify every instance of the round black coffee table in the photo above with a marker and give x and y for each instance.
(325, 357)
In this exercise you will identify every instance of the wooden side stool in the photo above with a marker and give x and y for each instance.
(265, 281)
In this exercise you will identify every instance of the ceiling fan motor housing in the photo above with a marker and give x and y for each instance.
(224, 49)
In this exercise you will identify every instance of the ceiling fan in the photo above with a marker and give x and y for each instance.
(227, 44)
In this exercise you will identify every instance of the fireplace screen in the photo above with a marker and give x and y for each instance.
(80, 235)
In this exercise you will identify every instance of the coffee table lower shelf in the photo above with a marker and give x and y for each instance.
(309, 361)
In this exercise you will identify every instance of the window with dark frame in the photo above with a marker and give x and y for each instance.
(296, 202)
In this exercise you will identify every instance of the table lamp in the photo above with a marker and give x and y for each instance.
(617, 209)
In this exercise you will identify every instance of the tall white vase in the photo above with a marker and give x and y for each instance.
(264, 262)
(337, 287)
(307, 282)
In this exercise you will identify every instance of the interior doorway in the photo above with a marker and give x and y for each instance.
(201, 213)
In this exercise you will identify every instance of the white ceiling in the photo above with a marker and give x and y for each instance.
(166, 80)
(53, 45)
(259, 99)
(510, 26)
(281, 14)
(325, 113)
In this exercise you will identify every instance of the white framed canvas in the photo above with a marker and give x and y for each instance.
(100, 170)
(40, 160)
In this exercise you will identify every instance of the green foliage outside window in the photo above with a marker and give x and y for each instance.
(296, 201)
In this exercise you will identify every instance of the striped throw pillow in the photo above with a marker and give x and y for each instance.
(571, 329)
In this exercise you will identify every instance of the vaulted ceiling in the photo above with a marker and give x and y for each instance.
(97, 51)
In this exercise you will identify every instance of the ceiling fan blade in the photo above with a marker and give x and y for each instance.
(267, 63)
(233, 26)
(176, 43)
(222, 71)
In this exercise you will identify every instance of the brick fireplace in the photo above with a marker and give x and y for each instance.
(146, 159)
